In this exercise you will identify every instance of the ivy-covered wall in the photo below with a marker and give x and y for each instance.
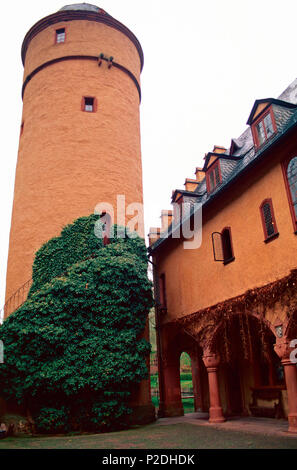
(76, 243)
(74, 350)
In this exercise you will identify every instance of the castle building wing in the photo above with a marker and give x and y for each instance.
(224, 167)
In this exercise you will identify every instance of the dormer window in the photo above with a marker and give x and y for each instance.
(213, 177)
(262, 123)
(234, 147)
(264, 115)
(268, 125)
(260, 132)
(265, 128)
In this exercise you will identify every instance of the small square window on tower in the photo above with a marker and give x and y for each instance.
(89, 104)
(60, 35)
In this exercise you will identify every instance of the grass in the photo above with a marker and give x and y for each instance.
(188, 404)
(185, 380)
(156, 436)
(154, 381)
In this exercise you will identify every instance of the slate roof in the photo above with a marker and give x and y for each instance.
(286, 117)
(278, 102)
(81, 6)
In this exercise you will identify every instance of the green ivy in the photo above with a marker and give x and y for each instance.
(74, 350)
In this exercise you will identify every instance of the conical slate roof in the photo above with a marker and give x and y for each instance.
(81, 6)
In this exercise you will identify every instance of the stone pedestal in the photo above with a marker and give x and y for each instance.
(283, 350)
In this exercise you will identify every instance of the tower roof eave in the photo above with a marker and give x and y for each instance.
(99, 16)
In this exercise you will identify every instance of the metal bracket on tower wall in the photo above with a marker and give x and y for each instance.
(110, 62)
(100, 58)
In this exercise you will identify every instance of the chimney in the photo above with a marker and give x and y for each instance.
(166, 219)
(200, 174)
(154, 234)
(218, 149)
(190, 185)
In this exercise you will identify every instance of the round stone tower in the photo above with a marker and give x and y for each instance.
(79, 139)
(80, 134)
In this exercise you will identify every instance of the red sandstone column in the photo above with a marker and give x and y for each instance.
(196, 379)
(211, 361)
(282, 348)
(172, 404)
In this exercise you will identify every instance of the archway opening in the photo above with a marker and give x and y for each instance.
(186, 383)
(251, 374)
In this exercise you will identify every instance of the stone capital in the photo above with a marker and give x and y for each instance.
(282, 348)
(211, 360)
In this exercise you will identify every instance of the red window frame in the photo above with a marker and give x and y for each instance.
(258, 120)
(83, 104)
(211, 170)
(56, 35)
(275, 233)
(285, 165)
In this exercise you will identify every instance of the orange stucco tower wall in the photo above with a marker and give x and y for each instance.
(69, 159)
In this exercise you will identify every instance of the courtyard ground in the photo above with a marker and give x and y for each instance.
(186, 432)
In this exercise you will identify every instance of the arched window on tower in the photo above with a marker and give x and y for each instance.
(268, 220)
(290, 174)
(213, 176)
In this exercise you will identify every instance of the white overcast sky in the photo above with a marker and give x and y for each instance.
(205, 62)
